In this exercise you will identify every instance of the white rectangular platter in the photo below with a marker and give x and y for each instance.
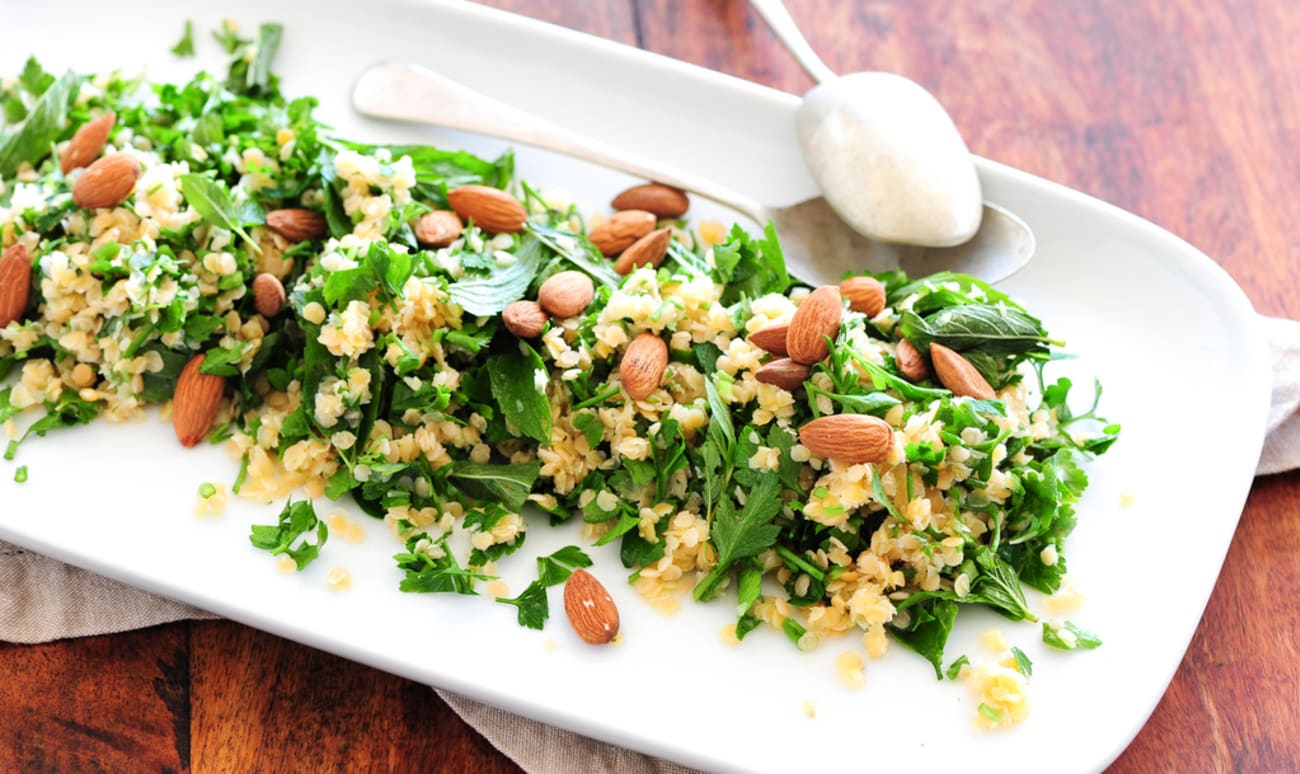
(1142, 309)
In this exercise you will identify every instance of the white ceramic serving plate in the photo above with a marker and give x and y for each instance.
(1140, 307)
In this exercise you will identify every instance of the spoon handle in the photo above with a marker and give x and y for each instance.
(406, 92)
(778, 18)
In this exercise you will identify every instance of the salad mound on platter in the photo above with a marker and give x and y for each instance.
(454, 350)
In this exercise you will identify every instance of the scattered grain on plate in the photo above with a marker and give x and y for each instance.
(285, 565)
(994, 640)
(809, 709)
(850, 668)
(211, 500)
(339, 579)
(1067, 598)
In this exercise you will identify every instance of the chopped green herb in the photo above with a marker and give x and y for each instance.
(1023, 664)
(1069, 637)
(185, 46)
(298, 533)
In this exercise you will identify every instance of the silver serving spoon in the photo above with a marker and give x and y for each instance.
(884, 152)
(819, 246)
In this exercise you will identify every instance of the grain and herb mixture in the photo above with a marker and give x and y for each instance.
(419, 331)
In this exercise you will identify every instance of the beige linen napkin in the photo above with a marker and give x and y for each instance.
(42, 600)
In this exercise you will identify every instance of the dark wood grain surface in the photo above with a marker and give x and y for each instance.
(1186, 112)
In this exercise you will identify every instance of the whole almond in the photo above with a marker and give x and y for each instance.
(910, 362)
(864, 294)
(649, 250)
(438, 228)
(525, 319)
(851, 438)
(662, 200)
(772, 338)
(957, 374)
(566, 294)
(268, 295)
(196, 402)
(491, 209)
(620, 230)
(590, 608)
(15, 283)
(107, 182)
(817, 318)
(784, 373)
(298, 225)
(643, 365)
(86, 145)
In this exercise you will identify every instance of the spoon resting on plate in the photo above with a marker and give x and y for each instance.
(819, 246)
(884, 152)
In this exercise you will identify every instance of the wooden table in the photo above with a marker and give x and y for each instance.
(1186, 112)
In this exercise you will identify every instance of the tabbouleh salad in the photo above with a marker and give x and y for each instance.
(373, 364)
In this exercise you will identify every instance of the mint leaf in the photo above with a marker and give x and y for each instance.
(486, 296)
(215, 204)
(513, 377)
(998, 586)
(37, 134)
(508, 484)
(928, 630)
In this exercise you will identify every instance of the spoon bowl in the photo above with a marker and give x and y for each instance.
(884, 152)
(889, 159)
(819, 246)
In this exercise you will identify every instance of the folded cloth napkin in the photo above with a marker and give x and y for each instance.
(43, 600)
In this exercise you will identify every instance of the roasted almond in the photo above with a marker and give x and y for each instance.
(15, 283)
(663, 201)
(268, 295)
(620, 230)
(816, 319)
(438, 228)
(784, 373)
(851, 438)
(643, 365)
(298, 225)
(957, 374)
(525, 319)
(590, 608)
(649, 250)
(566, 294)
(107, 182)
(196, 402)
(864, 294)
(910, 362)
(772, 339)
(491, 209)
(86, 145)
